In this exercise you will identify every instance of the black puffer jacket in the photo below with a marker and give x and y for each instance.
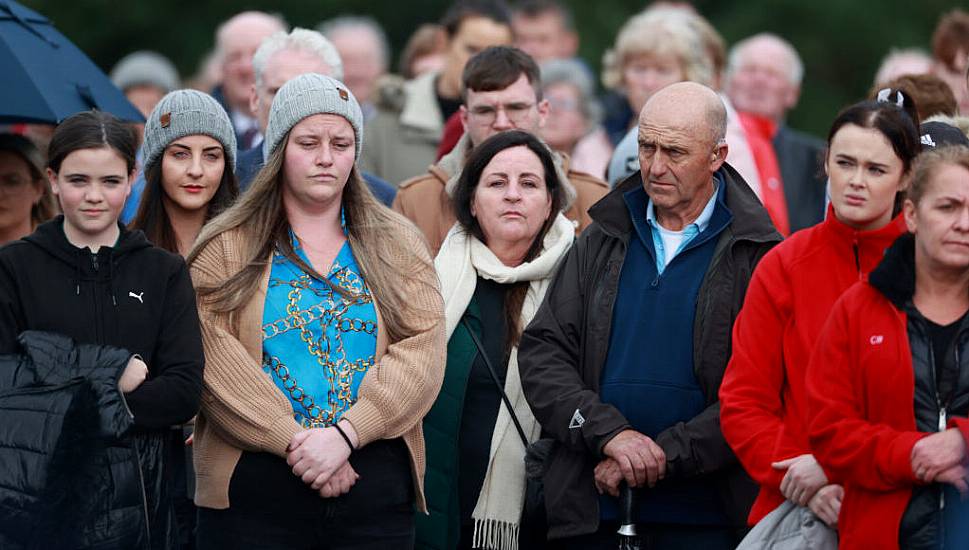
(69, 473)
(938, 397)
(132, 296)
(563, 350)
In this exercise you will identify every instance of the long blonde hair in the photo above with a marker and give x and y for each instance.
(373, 230)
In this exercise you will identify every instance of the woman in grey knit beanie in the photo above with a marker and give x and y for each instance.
(190, 154)
(310, 432)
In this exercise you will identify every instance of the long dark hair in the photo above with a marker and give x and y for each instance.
(152, 218)
(92, 130)
(464, 194)
(891, 120)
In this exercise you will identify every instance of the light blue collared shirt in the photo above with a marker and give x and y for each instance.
(662, 238)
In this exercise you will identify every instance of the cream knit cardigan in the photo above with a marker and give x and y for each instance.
(243, 410)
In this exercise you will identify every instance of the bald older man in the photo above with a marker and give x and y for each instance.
(623, 361)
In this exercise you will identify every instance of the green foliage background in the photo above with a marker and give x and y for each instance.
(841, 41)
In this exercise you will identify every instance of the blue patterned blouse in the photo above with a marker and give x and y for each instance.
(318, 345)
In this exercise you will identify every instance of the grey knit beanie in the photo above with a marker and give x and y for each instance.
(185, 113)
(145, 68)
(306, 95)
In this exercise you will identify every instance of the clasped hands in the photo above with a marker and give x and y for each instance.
(937, 458)
(319, 456)
(805, 484)
(941, 458)
(631, 457)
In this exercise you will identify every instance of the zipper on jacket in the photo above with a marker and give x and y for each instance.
(854, 247)
(96, 265)
(943, 422)
(942, 415)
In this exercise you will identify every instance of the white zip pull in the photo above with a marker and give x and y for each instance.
(942, 423)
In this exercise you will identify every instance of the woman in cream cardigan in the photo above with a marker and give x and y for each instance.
(324, 342)
(495, 266)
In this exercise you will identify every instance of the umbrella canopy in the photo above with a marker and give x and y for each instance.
(46, 78)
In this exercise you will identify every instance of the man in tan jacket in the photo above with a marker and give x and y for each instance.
(501, 91)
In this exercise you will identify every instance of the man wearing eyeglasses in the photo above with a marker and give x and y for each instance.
(501, 90)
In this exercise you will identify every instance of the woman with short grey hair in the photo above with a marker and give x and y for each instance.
(574, 126)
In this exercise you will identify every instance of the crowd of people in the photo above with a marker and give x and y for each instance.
(478, 304)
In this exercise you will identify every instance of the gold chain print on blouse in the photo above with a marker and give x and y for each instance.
(321, 326)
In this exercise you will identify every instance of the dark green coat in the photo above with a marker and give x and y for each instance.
(441, 528)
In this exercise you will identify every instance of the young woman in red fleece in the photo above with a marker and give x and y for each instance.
(888, 383)
(871, 147)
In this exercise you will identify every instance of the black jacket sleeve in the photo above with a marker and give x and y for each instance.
(171, 394)
(550, 361)
(697, 446)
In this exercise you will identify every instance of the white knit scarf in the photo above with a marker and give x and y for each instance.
(461, 260)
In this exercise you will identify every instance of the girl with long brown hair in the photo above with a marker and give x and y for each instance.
(324, 342)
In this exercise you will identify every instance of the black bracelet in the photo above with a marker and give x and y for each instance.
(344, 435)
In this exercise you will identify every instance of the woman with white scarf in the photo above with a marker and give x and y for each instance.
(495, 265)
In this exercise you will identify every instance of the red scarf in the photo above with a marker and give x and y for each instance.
(760, 133)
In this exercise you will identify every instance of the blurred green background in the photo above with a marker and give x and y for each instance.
(841, 41)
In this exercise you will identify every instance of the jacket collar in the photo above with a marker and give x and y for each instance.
(871, 245)
(895, 275)
(420, 106)
(49, 236)
(750, 219)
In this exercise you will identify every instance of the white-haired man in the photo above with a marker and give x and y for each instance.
(235, 41)
(764, 74)
(281, 57)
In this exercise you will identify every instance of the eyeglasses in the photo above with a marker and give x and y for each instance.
(487, 114)
(12, 183)
(563, 105)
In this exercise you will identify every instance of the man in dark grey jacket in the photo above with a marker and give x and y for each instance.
(764, 74)
(623, 361)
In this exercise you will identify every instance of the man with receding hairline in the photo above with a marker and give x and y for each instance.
(236, 40)
(764, 75)
(623, 361)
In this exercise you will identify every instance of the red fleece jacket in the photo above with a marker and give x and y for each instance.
(762, 398)
(860, 389)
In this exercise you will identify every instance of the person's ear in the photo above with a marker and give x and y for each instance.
(542, 108)
(131, 181)
(463, 113)
(718, 156)
(52, 180)
(911, 215)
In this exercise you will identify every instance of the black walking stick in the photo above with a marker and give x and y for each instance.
(628, 539)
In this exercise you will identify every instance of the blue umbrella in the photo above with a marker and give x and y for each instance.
(46, 78)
